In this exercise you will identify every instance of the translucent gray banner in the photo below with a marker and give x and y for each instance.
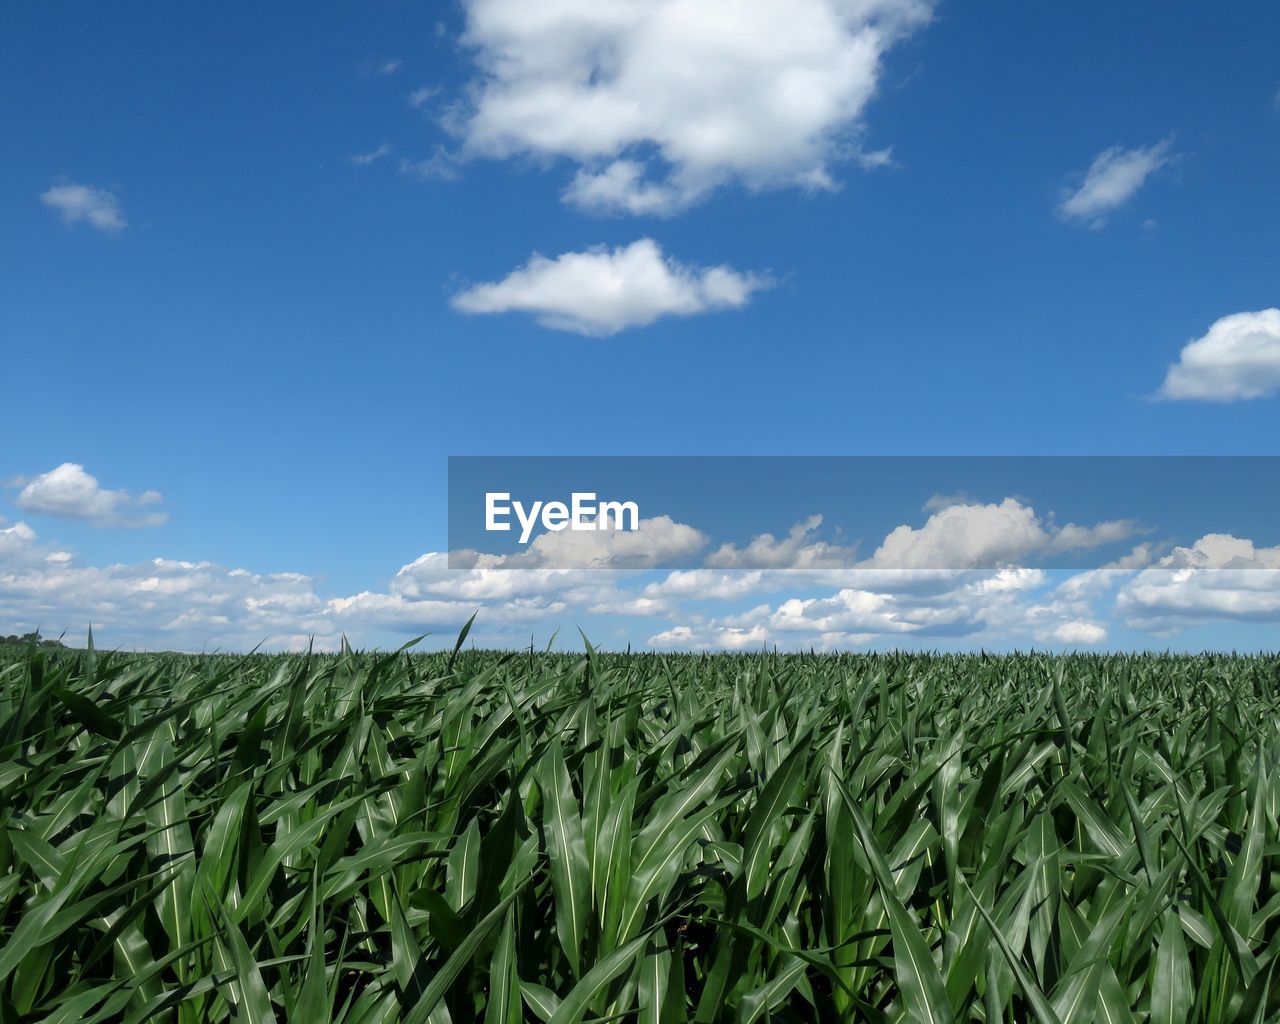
(864, 514)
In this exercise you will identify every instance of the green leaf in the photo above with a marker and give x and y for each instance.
(923, 992)
(567, 849)
(1171, 994)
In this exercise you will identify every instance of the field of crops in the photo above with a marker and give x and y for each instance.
(652, 838)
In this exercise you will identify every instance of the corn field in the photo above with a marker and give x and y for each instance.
(484, 837)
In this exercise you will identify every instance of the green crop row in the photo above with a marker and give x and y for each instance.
(480, 837)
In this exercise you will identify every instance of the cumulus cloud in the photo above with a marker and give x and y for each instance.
(708, 584)
(68, 492)
(715, 638)
(1218, 578)
(657, 540)
(969, 535)
(175, 604)
(953, 577)
(958, 544)
(600, 292)
(97, 207)
(808, 598)
(16, 541)
(998, 607)
(659, 102)
(1112, 180)
(1239, 358)
(1077, 632)
(157, 603)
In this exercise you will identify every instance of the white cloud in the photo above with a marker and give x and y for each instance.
(558, 572)
(997, 607)
(965, 536)
(1077, 632)
(716, 638)
(369, 610)
(165, 603)
(601, 291)
(484, 579)
(440, 165)
(960, 542)
(1219, 577)
(708, 585)
(1238, 358)
(188, 605)
(795, 551)
(620, 187)
(656, 541)
(952, 578)
(160, 602)
(1092, 582)
(389, 66)
(421, 97)
(615, 602)
(659, 102)
(374, 154)
(70, 493)
(848, 610)
(177, 604)
(1113, 178)
(1073, 537)
(16, 540)
(95, 206)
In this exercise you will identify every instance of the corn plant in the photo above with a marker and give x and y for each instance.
(506, 837)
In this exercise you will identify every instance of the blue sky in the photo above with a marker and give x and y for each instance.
(211, 297)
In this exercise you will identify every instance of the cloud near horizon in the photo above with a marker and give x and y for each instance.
(806, 601)
(1219, 577)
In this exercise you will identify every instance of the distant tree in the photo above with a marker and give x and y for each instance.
(31, 638)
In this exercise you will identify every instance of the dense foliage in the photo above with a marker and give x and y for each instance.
(523, 837)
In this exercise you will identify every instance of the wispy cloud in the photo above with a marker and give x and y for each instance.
(384, 66)
(421, 97)
(603, 291)
(97, 207)
(1112, 180)
(442, 165)
(372, 155)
